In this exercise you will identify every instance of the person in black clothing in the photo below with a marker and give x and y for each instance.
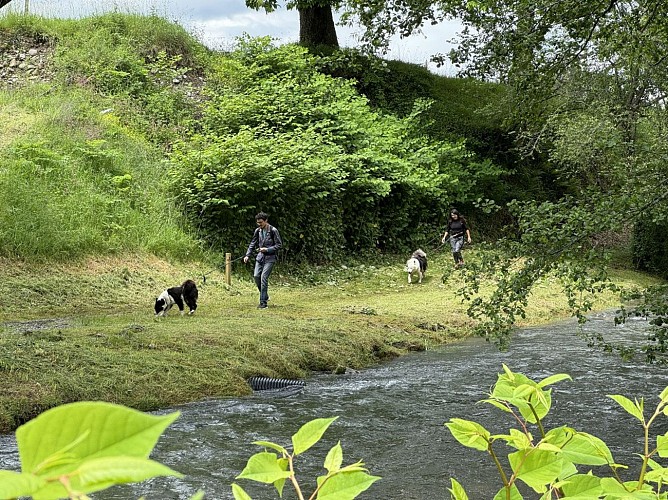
(457, 229)
(268, 242)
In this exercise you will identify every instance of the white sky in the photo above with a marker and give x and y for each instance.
(218, 22)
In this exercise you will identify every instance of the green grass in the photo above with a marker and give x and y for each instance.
(81, 164)
(103, 342)
(74, 181)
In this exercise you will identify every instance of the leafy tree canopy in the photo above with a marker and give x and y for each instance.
(588, 83)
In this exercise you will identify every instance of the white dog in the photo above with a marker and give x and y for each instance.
(416, 264)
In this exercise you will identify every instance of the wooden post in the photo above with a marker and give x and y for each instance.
(228, 268)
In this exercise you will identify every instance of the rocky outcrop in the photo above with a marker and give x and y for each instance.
(24, 60)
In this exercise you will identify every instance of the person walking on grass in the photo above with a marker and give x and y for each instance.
(457, 229)
(268, 242)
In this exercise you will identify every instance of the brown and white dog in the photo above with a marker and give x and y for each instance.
(416, 264)
(187, 293)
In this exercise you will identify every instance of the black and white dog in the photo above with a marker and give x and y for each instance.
(187, 293)
(416, 264)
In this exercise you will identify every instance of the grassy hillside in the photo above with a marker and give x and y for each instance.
(82, 167)
(94, 108)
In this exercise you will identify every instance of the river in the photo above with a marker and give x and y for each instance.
(391, 417)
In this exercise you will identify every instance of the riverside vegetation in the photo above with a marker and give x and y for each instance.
(137, 156)
(101, 342)
(73, 463)
(99, 445)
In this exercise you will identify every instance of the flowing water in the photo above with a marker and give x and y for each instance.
(392, 417)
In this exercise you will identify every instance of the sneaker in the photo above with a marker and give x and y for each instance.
(262, 305)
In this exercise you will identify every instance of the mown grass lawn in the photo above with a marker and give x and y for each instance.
(86, 330)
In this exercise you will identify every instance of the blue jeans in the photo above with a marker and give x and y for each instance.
(261, 276)
(457, 243)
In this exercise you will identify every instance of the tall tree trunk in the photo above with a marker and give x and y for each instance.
(316, 26)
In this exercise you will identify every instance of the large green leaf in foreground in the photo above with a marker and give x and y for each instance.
(96, 444)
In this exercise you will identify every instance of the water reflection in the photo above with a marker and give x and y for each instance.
(392, 417)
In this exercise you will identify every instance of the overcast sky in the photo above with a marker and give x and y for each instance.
(218, 22)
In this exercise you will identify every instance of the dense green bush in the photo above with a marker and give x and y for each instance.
(461, 109)
(650, 247)
(333, 174)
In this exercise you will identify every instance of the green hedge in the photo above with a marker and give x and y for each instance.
(334, 175)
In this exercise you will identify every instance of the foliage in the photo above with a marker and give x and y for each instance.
(149, 66)
(558, 462)
(279, 136)
(549, 240)
(278, 465)
(147, 36)
(144, 60)
(652, 304)
(80, 448)
(650, 247)
(271, 5)
(82, 173)
(76, 182)
(130, 64)
(585, 97)
(460, 109)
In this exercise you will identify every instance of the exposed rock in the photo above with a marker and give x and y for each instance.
(24, 59)
(27, 60)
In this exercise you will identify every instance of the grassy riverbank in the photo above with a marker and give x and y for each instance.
(85, 331)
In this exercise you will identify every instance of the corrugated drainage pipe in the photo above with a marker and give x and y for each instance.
(266, 383)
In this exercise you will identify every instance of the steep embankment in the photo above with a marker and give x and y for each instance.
(79, 175)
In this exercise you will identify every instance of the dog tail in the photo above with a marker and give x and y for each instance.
(421, 256)
(188, 287)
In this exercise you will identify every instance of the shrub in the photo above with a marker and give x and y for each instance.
(276, 465)
(650, 247)
(334, 175)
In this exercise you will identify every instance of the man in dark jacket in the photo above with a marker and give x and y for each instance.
(268, 242)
